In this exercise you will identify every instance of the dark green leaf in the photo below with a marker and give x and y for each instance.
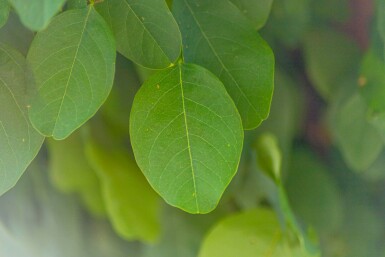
(36, 14)
(256, 10)
(217, 36)
(187, 136)
(145, 31)
(74, 63)
(19, 142)
(4, 12)
(71, 173)
(132, 205)
(253, 233)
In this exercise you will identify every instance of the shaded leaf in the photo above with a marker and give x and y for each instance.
(4, 12)
(257, 11)
(74, 62)
(253, 233)
(218, 37)
(132, 205)
(76, 4)
(145, 31)
(322, 46)
(187, 136)
(18, 139)
(71, 173)
(36, 14)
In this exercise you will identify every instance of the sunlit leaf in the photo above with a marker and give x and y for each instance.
(218, 37)
(145, 31)
(187, 136)
(19, 142)
(253, 233)
(36, 14)
(74, 62)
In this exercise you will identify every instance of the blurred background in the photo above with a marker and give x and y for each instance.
(327, 121)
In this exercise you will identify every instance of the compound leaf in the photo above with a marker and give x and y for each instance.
(187, 136)
(74, 63)
(19, 142)
(218, 37)
(36, 14)
(145, 31)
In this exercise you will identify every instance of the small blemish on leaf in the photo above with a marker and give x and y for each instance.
(362, 81)
(157, 86)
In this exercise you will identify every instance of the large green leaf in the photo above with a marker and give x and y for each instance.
(19, 142)
(4, 12)
(145, 31)
(256, 10)
(74, 62)
(71, 173)
(36, 14)
(131, 203)
(187, 136)
(217, 36)
(253, 233)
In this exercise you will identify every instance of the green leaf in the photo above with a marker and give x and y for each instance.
(269, 155)
(145, 31)
(71, 173)
(4, 12)
(217, 36)
(36, 14)
(74, 64)
(18, 140)
(257, 11)
(131, 203)
(322, 46)
(76, 4)
(187, 136)
(253, 233)
(358, 140)
(372, 81)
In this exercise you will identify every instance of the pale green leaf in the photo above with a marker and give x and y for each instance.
(145, 31)
(71, 173)
(74, 63)
(257, 11)
(358, 139)
(19, 142)
(36, 14)
(269, 155)
(4, 12)
(76, 4)
(132, 205)
(253, 233)
(322, 46)
(218, 37)
(187, 136)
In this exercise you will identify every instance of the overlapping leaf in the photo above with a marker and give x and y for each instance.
(36, 14)
(257, 11)
(145, 31)
(74, 62)
(187, 136)
(218, 37)
(4, 12)
(19, 142)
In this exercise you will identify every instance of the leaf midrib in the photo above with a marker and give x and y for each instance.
(195, 195)
(219, 59)
(72, 67)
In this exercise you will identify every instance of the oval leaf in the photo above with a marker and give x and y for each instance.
(74, 64)
(145, 31)
(231, 49)
(187, 136)
(253, 233)
(36, 14)
(4, 12)
(131, 203)
(19, 142)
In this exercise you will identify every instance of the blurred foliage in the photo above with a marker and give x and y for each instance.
(322, 144)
